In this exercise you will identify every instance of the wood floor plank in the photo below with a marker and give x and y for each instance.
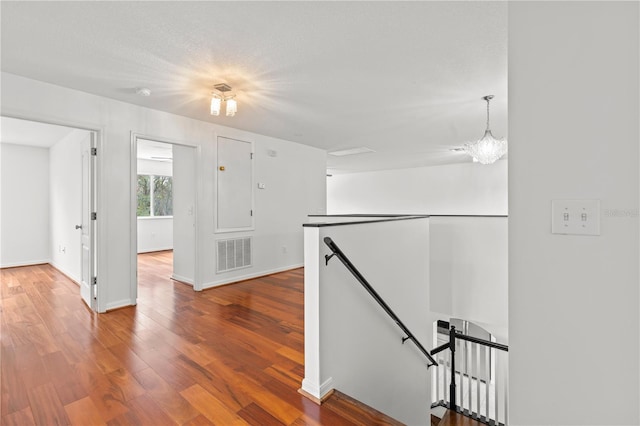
(14, 391)
(23, 417)
(255, 415)
(229, 355)
(62, 376)
(84, 412)
(211, 407)
(199, 421)
(128, 358)
(109, 400)
(170, 401)
(46, 406)
(143, 411)
(451, 418)
(344, 405)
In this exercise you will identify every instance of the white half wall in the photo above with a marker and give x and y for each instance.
(24, 199)
(350, 342)
(574, 326)
(65, 185)
(465, 188)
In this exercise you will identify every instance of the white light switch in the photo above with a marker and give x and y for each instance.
(575, 217)
(261, 185)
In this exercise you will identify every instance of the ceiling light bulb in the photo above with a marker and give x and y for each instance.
(232, 107)
(215, 105)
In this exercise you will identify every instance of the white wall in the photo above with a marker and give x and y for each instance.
(155, 233)
(24, 192)
(465, 188)
(350, 342)
(281, 208)
(573, 130)
(469, 271)
(65, 186)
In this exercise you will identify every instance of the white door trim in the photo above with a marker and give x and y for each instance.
(197, 284)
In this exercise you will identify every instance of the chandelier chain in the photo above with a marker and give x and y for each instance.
(488, 100)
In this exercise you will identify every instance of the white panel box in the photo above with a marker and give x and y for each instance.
(575, 217)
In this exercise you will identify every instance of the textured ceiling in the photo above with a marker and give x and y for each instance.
(402, 78)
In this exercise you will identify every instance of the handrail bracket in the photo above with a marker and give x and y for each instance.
(327, 258)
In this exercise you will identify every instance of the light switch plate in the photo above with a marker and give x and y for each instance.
(575, 217)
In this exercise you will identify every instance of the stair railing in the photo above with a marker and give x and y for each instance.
(358, 276)
(475, 397)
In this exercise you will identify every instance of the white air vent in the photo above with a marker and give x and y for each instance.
(234, 254)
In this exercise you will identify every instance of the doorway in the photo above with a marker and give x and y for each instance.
(49, 200)
(164, 225)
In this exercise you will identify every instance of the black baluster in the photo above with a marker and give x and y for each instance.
(452, 385)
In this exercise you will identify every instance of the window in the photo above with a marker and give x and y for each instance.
(155, 196)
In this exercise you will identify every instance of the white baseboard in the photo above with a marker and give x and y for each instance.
(182, 279)
(315, 390)
(250, 276)
(24, 263)
(65, 273)
(151, 250)
(120, 304)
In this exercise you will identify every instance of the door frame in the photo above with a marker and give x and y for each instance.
(133, 233)
(99, 197)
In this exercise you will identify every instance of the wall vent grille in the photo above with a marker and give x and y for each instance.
(234, 254)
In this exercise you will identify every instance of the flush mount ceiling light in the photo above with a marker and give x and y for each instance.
(488, 149)
(223, 93)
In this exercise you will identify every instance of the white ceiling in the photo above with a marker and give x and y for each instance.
(402, 78)
(24, 132)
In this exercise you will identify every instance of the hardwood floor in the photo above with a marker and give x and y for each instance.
(230, 355)
(451, 418)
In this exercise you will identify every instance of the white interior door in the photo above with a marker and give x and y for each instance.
(184, 214)
(235, 190)
(87, 287)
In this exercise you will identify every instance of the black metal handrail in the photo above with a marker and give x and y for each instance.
(451, 345)
(347, 263)
(482, 342)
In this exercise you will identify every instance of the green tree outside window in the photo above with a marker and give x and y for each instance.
(144, 196)
(155, 196)
(162, 196)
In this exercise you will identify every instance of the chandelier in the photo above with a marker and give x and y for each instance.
(224, 94)
(488, 149)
